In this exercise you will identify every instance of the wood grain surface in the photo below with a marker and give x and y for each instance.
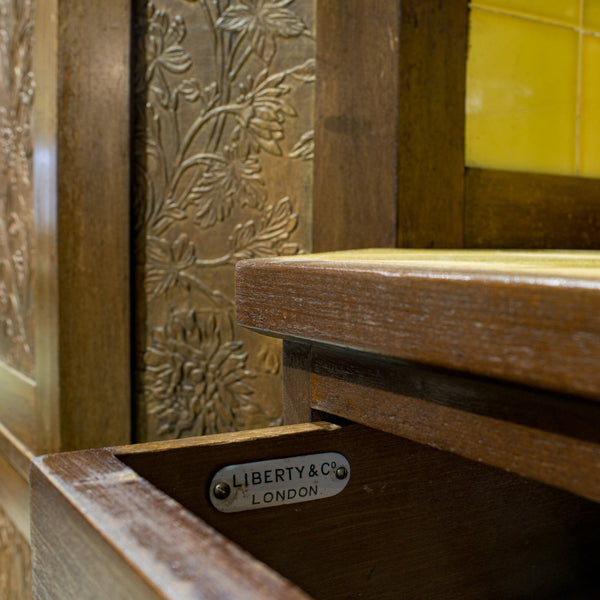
(550, 438)
(431, 124)
(530, 318)
(100, 531)
(389, 131)
(504, 209)
(356, 124)
(412, 522)
(296, 383)
(82, 197)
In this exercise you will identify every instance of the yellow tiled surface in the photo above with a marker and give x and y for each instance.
(564, 11)
(521, 94)
(533, 86)
(589, 137)
(591, 15)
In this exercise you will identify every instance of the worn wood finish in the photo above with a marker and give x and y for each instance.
(530, 318)
(99, 530)
(390, 124)
(504, 209)
(552, 439)
(413, 522)
(81, 191)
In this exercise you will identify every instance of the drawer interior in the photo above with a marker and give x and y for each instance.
(413, 521)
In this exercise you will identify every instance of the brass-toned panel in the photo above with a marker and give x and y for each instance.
(15, 562)
(16, 198)
(223, 146)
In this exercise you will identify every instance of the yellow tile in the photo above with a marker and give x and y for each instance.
(589, 136)
(591, 15)
(521, 95)
(563, 11)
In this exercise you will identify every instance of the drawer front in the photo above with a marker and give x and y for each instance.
(412, 521)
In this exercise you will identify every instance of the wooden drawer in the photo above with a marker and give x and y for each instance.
(412, 522)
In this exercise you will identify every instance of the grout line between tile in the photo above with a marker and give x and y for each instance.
(578, 105)
(545, 21)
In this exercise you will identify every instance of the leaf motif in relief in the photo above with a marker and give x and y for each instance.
(306, 72)
(197, 381)
(189, 89)
(164, 52)
(166, 263)
(228, 178)
(263, 21)
(269, 237)
(169, 213)
(304, 148)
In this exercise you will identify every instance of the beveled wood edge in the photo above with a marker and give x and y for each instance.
(17, 406)
(17, 453)
(14, 496)
(539, 265)
(219, 439)
(314, 300)
(98, 486)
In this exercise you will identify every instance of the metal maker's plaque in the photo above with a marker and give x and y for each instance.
(279, 481)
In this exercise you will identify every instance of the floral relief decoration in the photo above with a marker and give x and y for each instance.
(17, 87)
(219, 116)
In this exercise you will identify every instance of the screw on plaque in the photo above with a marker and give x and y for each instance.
(341, 472)
(221, 491)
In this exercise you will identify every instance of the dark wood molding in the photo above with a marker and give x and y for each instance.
(507, 209)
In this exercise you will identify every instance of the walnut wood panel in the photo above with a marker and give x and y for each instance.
(431, 124)
(223, 147)
(100, 531)
(412, 522)
(531, 318)
(390, 123)
(525, 210)
(550, 438)
(81, 196)
(356, 124)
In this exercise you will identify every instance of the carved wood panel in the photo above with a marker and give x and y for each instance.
(222, 170)
(16, 198)
(15, 562)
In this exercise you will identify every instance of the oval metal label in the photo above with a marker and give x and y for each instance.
(279, 481)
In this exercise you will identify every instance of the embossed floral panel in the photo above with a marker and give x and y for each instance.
(223, 145)
(16, 197)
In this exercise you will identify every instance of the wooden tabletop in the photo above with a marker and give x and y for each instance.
(530, 317)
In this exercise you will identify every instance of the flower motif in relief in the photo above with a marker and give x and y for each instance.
(263, 21)
(196, 382)
(233, 176)
(263, 112)
(166, 263)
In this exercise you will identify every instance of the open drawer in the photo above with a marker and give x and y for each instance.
(410, 522)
